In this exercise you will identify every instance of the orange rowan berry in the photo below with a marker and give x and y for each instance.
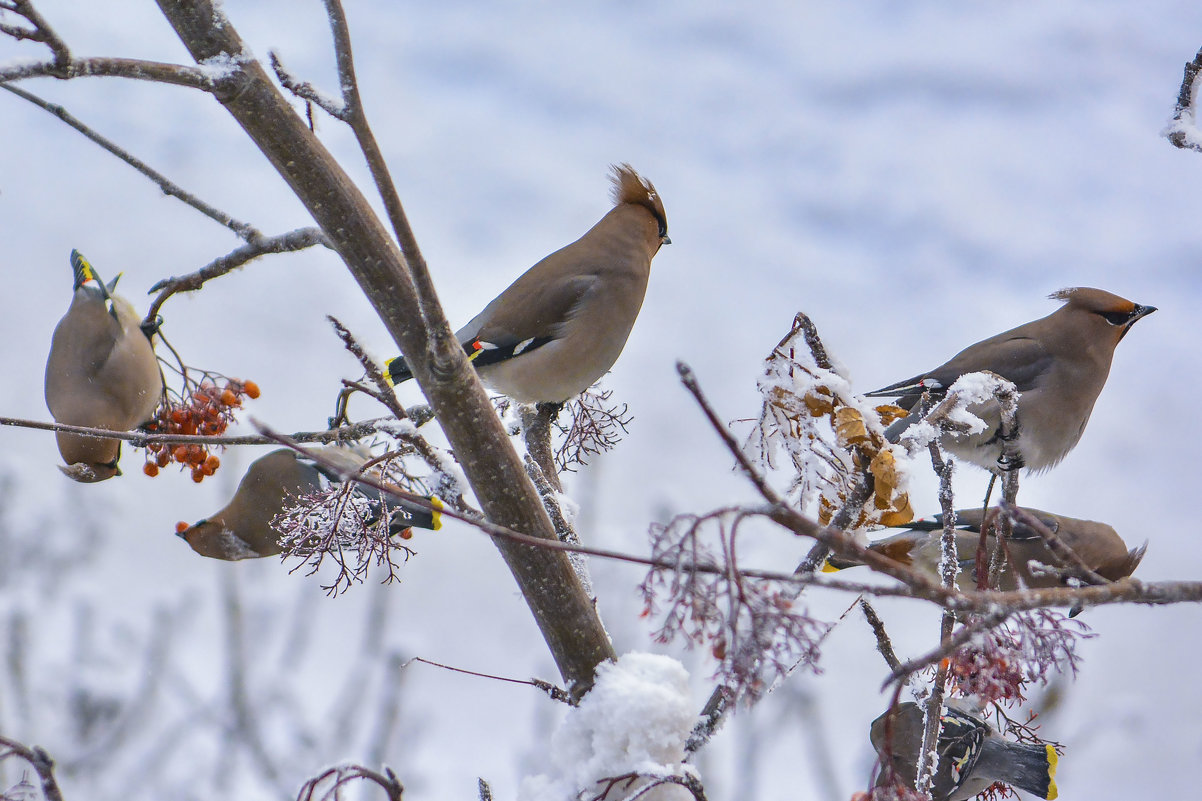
(151, 469)
(181, 527)
(251, 389)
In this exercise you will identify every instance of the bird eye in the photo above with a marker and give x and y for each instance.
(1116, 318)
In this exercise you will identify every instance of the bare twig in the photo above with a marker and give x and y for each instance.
(41, 762)
(883, 644)
(40, 31)
(553, 692)
(340, 776)
(244, 230)
(257, 245)
(140, 439)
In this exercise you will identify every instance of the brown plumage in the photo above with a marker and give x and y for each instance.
(1098, 545)
(560, 326)
(242, 529)
(1059, 365)
(101, 373)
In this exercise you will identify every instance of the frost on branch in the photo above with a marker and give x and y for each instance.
(628, 733)
(997, 664)
(596, 426)
(349, 523)
(749, 624)
(830, 437)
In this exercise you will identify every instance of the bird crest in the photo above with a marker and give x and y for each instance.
(630, 187)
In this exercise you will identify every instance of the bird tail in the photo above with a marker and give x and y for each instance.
(1134, 557)
(83, 269)
(834, 564)
(397, 371)
(1026, 766)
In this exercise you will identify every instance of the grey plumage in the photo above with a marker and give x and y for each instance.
(101, 373)
(242, 529)
(972, 755)
(560, 326)
(1059, 365)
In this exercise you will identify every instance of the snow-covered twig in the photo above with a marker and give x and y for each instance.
(1183, 131)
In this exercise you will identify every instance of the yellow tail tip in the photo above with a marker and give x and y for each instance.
(83, 269)
(1053, 758)
(388, 371)
(436, 507)
(827, 567)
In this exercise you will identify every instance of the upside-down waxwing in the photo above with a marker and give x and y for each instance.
(560, 326)
(101, 373)
(1099, 546)
(242, 530)
(1059, 365)
(972, 755)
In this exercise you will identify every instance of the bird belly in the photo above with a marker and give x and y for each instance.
(555, 372)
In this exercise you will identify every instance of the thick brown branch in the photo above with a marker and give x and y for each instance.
(398, 286)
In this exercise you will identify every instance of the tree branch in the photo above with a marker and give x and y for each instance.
(257, 246)
(398, 286)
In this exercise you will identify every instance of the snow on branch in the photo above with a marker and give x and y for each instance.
(831, 437)
(1183, 130)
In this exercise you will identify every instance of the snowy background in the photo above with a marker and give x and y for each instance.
(914, 176)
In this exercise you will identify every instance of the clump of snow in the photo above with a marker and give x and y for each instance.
(636, 719)
(977, 387)
(223, 65)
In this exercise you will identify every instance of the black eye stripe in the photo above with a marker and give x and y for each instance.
(1117, 318)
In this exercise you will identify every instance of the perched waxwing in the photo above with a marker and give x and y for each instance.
(1098, 545)
(242, 530)
(1059, 365)
(101, 373)
(972, 755)
(560, 326)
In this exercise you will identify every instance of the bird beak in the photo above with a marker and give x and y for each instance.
(1136, 313)
(666, 240)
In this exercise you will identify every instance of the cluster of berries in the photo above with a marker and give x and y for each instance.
(206, 411)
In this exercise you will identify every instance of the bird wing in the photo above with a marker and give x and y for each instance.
(524, 317)
(1019, 359)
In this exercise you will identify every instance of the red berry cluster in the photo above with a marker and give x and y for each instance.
(207, 411)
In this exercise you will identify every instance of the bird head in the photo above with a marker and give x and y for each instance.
(211, 538)
(1118, 313)
(89, 459)
(630, 187)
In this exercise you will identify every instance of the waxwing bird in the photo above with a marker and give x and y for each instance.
(1059, 365)
(560, 326)
(972, 755)
(1099, 546)
(101, 373)
(242, 530)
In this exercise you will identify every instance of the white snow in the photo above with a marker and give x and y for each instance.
(636, 720)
